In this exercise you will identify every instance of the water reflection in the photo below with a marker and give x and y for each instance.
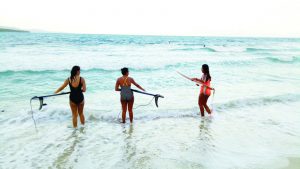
(129, 144)
(205, 134)
(64, 157)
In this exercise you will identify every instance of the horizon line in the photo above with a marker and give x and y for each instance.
(163, 35)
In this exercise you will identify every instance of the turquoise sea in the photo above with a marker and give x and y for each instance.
(255, 123)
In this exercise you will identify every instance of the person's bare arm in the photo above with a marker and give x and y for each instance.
(137, 85)
(83, 89)
(197, 80)
(117, 86)
(62, 86)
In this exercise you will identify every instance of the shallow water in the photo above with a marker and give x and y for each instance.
(256, 117)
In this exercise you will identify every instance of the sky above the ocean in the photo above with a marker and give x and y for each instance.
(275, 18)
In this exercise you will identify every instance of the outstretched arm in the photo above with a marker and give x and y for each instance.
(197, 80)
(137, 85)
(117, 86)
(62, 86)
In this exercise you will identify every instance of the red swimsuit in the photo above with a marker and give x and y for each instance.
(203, 88)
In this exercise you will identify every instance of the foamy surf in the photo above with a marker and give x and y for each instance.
(254, 124)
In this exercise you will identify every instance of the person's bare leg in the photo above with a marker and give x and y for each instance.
(130, 106)
(124, 109)
(205, 104)
(202, 111)
(74, 110)
(207, 109)
(200, 103)
(80, 112)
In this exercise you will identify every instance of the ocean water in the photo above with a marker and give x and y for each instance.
(255, 123)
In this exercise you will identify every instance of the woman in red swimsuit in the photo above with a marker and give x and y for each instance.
(204, 90)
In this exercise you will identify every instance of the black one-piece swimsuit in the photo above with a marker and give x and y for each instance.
(76, 95)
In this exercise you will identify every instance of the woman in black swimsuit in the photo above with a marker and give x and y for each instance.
(77, 86)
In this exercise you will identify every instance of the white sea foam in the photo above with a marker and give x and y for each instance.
(255, 123)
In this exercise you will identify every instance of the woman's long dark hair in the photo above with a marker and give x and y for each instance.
(205, 69)
(74, 71)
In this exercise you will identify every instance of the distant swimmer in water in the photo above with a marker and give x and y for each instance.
(204, 46)
(77, 86)
(204, 90)
(127, 98)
